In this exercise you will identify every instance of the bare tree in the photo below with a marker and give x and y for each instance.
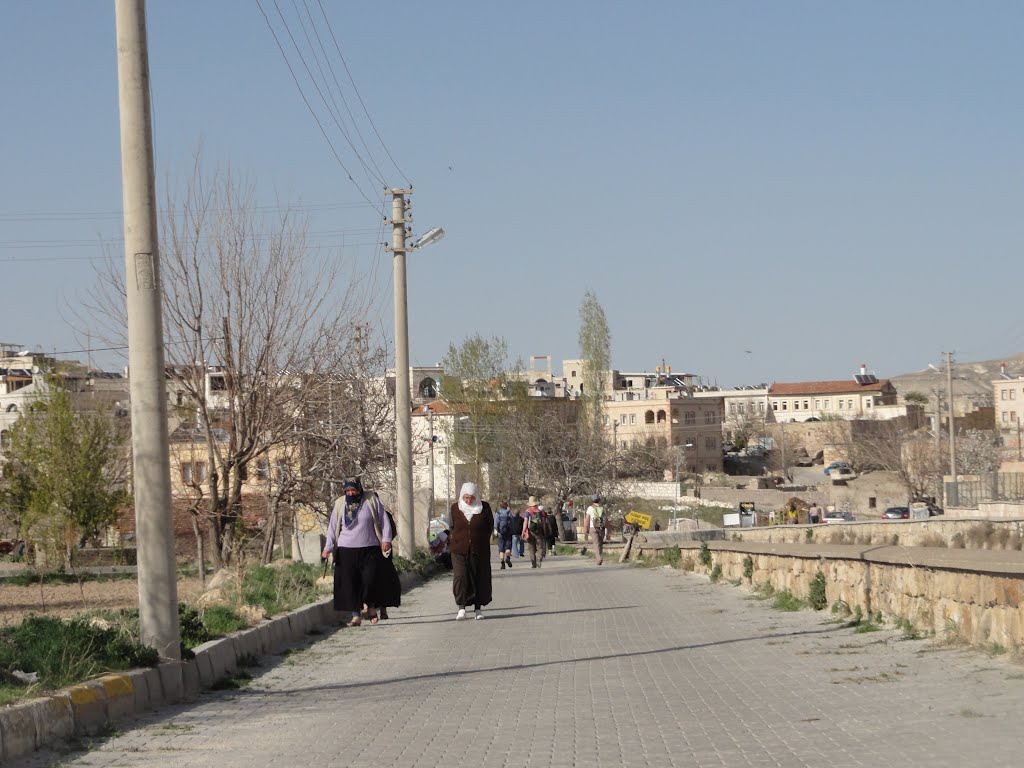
(256, 321)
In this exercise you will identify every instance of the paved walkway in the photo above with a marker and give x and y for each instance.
(576, 665)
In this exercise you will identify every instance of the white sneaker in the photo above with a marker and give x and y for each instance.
(479, 614)
(461, 614)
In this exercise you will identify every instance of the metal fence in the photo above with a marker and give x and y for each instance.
(997, 486)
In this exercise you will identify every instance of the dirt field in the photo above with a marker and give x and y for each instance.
(68, 599)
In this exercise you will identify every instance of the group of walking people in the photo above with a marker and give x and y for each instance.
(361, 531)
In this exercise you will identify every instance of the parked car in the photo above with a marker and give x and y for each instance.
(896, 513)
(838, 516)
(838, 465)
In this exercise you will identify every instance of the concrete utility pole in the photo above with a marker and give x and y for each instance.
(158, 587)
(403, 395)
(952, 428)
(430, 421)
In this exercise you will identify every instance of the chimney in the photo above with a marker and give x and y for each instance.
(1002, 370)
(863, 369)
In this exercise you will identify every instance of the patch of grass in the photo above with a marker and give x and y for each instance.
(565, 549)
(63, 652)
(221, 620)
(705, 554)
(809, 535)
(716, 572)
(672, 556)
(748, 568)
(909, 631)
(764, 591)
(816, 597)
(33, 578)
(232, 682)
(841, 608)
(787, 601)
(277, 590)
(996, 649)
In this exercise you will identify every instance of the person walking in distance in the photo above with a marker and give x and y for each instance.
(517, 530)
(503, 527)
(594, 524)
(470, 544)
(533, 532)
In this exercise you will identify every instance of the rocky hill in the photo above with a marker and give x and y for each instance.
(972, 382)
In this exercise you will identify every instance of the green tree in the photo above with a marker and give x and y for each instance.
(475, 383)
(65, 472)
(595, 351)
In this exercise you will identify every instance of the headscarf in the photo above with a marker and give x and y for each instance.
(476, 508)
(352, 503)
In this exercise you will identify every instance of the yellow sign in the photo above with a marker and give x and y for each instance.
(638, 518)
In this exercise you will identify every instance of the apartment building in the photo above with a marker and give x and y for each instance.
(864, 396)
(1008, 396)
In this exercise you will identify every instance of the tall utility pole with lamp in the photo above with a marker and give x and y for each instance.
(400, 220)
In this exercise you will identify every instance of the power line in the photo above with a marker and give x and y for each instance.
(359, 96)
(379, 207)
(32, 216)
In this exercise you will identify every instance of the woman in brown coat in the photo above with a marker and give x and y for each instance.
(470, 545)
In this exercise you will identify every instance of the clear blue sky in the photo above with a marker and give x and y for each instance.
(822, 184)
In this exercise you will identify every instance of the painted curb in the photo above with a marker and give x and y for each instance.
(88, 707)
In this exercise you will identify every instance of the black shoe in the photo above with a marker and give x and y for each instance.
(508, 561)
(533, 565)
(503, 565)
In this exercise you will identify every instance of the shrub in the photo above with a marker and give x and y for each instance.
(193, 631)
(716, 572)
(748, 568)
(705, 554)
(816, 597)
(787, 601)
(672, 556)
(956, 541)
(809, 534)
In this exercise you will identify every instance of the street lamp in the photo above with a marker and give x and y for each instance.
(403, 393)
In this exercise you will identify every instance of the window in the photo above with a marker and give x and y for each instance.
(741, 408)
(1002, 394)
(606, 421)
(828, 404)
(12, 408)
(709, 443)
(775, 405)
(649, 417)
(689, 418)
(760, 406)
(5, 439)
(709, 417)
(849, 405)
(1013, 415)
(193, 472)
(662, 417)
(805, 405)
(840, 404)
(817, 404)
(867, 403)
(784, 405)
(632, 418)
(732, 407)
(796, 405)
(1006, 418)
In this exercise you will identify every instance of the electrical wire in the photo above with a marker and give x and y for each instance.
(334, 77)
(312, 112)
(359, 96)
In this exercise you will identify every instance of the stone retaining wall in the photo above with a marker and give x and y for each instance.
(969, 604)
(934, 532)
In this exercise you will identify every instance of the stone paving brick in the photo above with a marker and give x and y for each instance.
(577, 666)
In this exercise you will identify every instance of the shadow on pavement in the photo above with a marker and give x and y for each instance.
(491, 616)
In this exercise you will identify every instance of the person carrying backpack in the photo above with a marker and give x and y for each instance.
(503, 527)
(533, 532)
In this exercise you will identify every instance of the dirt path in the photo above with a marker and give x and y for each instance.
(17, 602)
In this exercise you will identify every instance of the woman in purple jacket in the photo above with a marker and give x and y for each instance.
(359, 536)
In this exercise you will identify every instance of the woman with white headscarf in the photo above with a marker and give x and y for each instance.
(470, 545)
